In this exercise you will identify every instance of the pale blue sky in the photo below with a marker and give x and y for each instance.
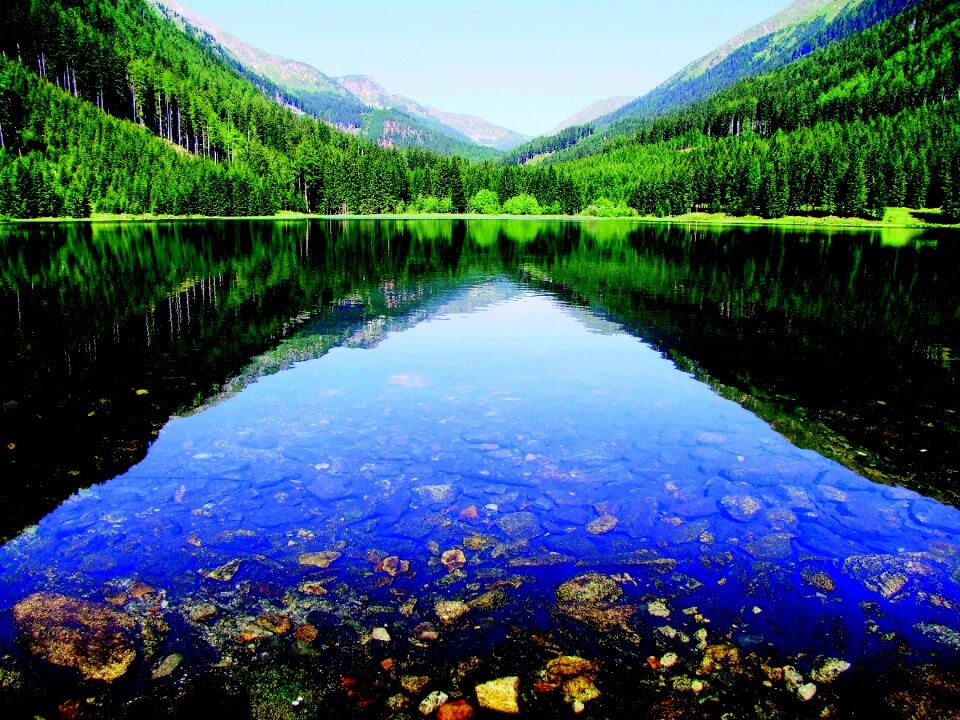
(523, 64)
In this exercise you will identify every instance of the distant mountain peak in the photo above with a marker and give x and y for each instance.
(365, 90)
(593, 111)
(478, 130)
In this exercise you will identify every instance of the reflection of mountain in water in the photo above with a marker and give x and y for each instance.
(490, 486)
(847, 344)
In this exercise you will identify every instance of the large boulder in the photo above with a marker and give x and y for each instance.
(97, 640)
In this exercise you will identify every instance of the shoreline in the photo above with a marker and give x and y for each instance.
(895, 218)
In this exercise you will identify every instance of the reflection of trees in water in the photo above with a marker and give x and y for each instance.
(825, 325)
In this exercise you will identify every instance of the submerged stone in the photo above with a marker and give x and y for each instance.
(500, 695)
(96, 640)
(456, 710)
(829, 670)
(451, 610)
(322, 559)
(520, 525)
(592, 588)
(432, 701)
(601, 525)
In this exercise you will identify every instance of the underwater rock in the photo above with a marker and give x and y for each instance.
(166, 666)
(456, 710)
(520, 525)
(575, 675)
(818, 579)
(592, 588)
(500, 695)
(275, 623)
(592, 599)
(393, 566)
(96, 640)
(322, 559)
(202, 613)
(601, 525)
(432, 701)
(717, 657)
(450, 611)
(380, 634)
(740, 507)
(658, 608)
(829, 670)
(479, 542)
(225, 572)
(940, 633)
(437, 494)
(489, 601)
(774, 546)
(806, 691)
(453, 559)
(413, 684)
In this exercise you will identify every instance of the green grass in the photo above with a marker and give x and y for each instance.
(893, 218)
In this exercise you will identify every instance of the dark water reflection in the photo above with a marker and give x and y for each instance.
(490, 458)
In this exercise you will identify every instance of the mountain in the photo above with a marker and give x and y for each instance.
(472, 128)
(106, 106)
(346, 101)
(799, 29)
(593, 111)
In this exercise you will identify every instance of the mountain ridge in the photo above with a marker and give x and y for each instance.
(795, 31)
(341, 100)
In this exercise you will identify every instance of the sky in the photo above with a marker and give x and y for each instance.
(523, 64)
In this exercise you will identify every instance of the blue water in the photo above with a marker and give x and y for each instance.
(543, 418)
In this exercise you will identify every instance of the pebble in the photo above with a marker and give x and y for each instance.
(380, 634)
(432, 701)
(166, 666)
(669, 660)
(806, 691)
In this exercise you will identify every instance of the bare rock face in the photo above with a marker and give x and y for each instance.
(97, 640)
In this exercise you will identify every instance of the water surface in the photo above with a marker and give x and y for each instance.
(489, 446)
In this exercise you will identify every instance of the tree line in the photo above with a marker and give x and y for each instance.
(106, 107)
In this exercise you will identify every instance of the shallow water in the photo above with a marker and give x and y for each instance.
(468, 490)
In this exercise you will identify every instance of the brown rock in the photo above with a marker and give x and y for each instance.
(202, 613)
(274, 622)
(453, 559)
(393, 566)
(456, 710)
(306, 633)
(96, 640)
(140, 590)
(469, 513)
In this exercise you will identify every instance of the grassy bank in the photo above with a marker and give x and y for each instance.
(893, 218)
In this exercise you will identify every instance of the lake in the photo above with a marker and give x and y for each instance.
(417, 468)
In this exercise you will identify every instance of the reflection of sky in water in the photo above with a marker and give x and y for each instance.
(579, 449)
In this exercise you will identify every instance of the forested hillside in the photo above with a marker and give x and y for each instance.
(108, 107)
(802, 28)
(863, 124)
